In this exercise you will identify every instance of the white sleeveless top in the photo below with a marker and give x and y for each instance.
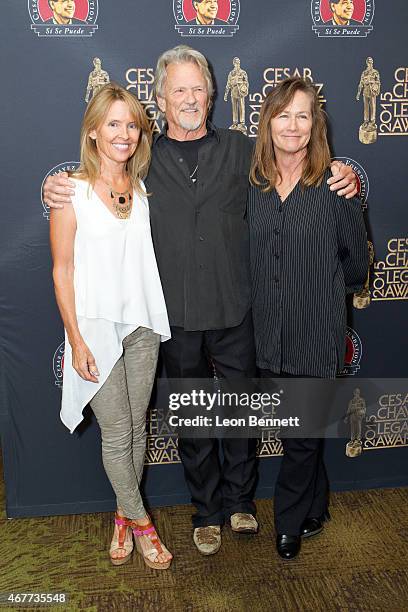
(117, 289)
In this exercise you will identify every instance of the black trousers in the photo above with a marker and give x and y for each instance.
(220, 485)
(302, 486)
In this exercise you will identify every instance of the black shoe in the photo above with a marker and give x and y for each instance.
(314, 525)
(287, 546)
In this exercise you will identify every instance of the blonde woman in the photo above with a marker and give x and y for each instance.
(110, 298)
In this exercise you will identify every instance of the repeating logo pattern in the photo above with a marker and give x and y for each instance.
(342, 18)
(216, 18)
(63, 18)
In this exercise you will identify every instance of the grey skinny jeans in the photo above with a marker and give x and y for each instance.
(120, 408)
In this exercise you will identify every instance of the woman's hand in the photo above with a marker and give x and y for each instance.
(58, 190)
(84, 362)
(344, 181)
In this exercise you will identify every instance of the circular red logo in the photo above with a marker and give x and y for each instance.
(358, 13)
(81, 9)
(224, 10)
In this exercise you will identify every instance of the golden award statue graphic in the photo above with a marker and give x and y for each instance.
(237, 84)
(370, 85)
(355, 414)
(97, 79)
(362, 299)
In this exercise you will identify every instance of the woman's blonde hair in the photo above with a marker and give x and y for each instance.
(264, 172)
(98, 107)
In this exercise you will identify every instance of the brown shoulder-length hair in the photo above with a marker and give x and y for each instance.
(264, 172)
(98, 107)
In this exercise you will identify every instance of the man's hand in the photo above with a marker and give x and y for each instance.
(344, 181)
(58, 190)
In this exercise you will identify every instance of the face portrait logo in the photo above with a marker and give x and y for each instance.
(69, 166)
(58, 365)
(342, 18)
(216, 18)
(363, 185)
(354, 351)
(63, 18)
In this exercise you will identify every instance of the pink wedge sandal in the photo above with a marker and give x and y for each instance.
(157, 548)
(120, 541)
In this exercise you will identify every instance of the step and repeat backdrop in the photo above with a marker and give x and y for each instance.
(55, 54)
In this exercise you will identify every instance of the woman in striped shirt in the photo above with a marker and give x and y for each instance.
(308, 249)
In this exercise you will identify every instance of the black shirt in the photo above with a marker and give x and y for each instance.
(306, 253)
(199, 230)
(189, 150)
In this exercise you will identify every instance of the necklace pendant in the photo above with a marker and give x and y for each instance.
(122, 202)
(193, 175)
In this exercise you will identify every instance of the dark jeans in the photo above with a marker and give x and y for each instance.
(219, 485)
(302, 486)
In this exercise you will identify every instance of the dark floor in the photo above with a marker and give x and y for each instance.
(359, 563)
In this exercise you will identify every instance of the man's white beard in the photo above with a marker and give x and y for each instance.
(192, 124)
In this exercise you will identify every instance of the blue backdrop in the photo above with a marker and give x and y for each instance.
(45, 69)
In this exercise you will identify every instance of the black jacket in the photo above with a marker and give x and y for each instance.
(200, 231)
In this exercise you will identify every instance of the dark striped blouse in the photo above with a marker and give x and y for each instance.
(306, 254)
